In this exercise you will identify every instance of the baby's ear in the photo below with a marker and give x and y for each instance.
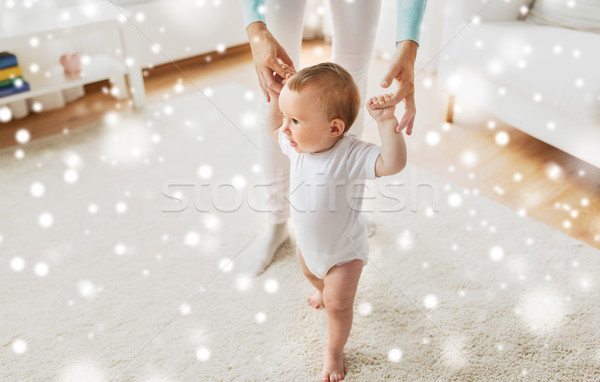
(336, 127)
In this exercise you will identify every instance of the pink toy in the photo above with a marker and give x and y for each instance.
(71, 63)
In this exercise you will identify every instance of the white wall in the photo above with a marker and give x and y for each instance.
(187, 28)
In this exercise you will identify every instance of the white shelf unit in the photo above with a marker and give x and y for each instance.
(101, 17)
(100, 67)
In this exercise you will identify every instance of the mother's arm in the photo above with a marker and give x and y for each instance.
(402, 67)
(265, 49)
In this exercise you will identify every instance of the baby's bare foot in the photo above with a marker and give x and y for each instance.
(316, 301)
(333, 367)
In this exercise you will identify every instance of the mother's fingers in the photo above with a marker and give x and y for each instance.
(269, 84)
(408, 119)
(280, 68)
(272, 83)
(285, 59)
(288, 69)
(263, 85)
(411, 124)
(267, 97)
(274, 67)
(409, 127)
(404, 121)
(404, 89)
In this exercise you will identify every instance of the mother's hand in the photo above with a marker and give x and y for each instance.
(402, 70)
(266, 51)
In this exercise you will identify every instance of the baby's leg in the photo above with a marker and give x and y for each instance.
(338, 293)
(316, 300)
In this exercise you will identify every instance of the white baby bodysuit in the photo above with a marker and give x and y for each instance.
(326, 191)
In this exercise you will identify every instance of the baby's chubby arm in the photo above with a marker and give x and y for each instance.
(392, 158)
(274, 118)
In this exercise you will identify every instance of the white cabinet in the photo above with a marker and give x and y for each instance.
(31, 36)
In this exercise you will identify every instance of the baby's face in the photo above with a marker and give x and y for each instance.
(305, 123)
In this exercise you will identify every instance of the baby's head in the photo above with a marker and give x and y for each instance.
(319, 103)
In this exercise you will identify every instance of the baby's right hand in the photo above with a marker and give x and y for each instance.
(381, 115)
(289, 71)
(275, 96)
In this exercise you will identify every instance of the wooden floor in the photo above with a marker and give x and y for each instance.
(525, 175)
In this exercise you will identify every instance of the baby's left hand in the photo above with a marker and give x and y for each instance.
(381, 115)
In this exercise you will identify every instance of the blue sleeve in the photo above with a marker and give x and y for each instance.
(253, 11)
(410, 16)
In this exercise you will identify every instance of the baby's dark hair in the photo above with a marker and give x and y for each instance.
(340, 96)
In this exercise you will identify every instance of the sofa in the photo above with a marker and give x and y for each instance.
(543, 80)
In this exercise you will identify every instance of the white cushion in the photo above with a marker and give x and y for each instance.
(559, 66)
(576, 14)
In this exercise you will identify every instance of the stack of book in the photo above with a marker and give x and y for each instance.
(11, 77)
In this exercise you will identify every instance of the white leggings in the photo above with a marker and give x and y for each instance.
(354, 28)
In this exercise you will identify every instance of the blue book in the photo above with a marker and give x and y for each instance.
(7, 60)
(10, 90)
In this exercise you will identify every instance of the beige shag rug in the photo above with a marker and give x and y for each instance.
(100, 283)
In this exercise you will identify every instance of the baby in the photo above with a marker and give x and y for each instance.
(328, 168)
